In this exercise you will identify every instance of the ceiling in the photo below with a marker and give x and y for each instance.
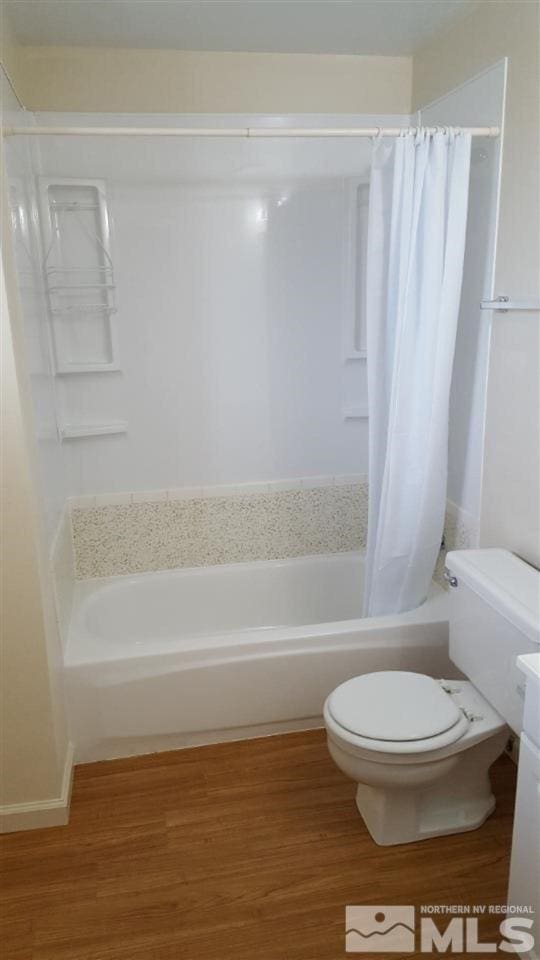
(384, 27)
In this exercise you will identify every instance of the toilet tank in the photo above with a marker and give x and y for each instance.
(494, 617)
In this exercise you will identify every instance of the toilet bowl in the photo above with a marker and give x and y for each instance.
(419, 750)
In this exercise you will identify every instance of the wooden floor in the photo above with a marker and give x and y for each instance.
(242, 851)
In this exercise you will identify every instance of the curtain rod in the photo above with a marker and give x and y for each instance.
(251, 132)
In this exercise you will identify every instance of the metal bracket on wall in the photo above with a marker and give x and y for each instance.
(504, 304)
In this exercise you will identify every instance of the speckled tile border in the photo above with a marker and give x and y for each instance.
(272, 521)
(460, 533)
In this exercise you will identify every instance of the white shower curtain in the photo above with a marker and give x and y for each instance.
(416, 240)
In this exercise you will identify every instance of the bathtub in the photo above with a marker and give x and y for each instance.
(189, 656)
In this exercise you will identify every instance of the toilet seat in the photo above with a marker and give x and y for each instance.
(395, 712)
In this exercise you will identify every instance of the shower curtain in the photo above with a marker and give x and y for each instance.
(416, 241)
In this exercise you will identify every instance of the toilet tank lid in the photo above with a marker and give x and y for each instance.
(506, 583)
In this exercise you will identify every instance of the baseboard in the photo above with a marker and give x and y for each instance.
(41, 813)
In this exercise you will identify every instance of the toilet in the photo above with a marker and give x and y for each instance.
(420, 748)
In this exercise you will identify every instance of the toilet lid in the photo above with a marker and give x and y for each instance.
(393, 705)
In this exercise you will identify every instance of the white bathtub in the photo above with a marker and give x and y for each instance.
(189, 656)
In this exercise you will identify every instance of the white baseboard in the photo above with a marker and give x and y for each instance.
(41, 813)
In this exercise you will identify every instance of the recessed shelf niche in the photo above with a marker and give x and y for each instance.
(355, 256)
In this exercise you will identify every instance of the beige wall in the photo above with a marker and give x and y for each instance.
(172, 81)
(9, 51)
(28, 746)
(510, 489)
(35, 753)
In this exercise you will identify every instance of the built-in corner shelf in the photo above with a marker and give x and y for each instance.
(87, 368)
(357, 411)
(356, 354)
(75, 431)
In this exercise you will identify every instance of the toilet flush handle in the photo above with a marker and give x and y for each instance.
(451, 580)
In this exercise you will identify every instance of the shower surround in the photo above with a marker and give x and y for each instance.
(241, 354)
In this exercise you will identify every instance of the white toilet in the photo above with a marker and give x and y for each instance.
(420, 749)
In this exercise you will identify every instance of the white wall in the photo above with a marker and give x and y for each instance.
(478, 102)
(229, 259)
(511, 470)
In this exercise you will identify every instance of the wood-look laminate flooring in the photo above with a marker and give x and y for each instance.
(240, 851)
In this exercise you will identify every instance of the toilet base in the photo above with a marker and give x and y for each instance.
(406, 816)
(459, 800)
